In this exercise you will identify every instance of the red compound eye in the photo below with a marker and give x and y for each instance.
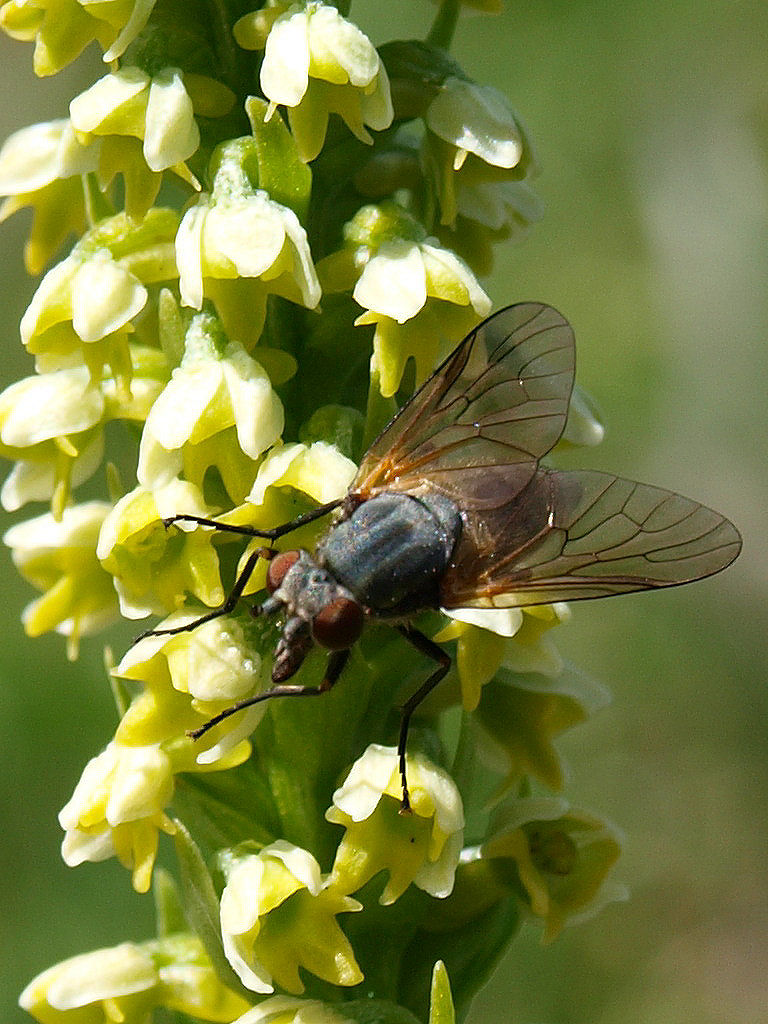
(278, 568)
(339, 624)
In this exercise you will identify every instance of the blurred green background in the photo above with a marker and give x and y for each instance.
(651, 124)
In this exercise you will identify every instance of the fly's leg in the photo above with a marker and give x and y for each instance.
(431, 650)
(229, 605)
(336, 663)
(250, 531)
(242, 580)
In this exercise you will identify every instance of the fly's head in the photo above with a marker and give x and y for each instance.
(317, 609)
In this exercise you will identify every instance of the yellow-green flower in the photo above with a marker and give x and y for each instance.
(61, 29)
(118, 808)
(238, 247)
(473, 139)
(154, 568)
(319, 470)
(487, 213)
(125, 983)
(155, 109)
(42, 166)
(85, 299)
(127, 18)
(488, 638)
(52, 424)
(520, 715)
(59, 558)
(187, 679)
(421, 297)
(317, 63)
(277, 915)
(218, 410)
(420, 848)
(481, 635)
(146, 125)
(106, 984)
(563, 857)
(84, 307)
(286, 1010)
(533, 649)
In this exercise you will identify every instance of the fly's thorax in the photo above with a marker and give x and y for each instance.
(391, 551)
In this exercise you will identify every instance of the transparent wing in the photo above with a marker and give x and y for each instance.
(478, 426)
(574, 535)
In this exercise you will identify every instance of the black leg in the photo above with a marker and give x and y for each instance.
(251, 531)
(432, 650)
(228, 606)
(250, 565)
(336, 663)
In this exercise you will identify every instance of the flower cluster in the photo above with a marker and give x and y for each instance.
(328, 207)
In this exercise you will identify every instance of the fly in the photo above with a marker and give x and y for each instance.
(451, 509)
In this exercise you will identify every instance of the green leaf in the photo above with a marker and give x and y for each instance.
(169, 912)
(340, 425)
(202, 906)
(441, 1001)
(287, 179)
(376, 1011)
(470, 952)
(418, 61)
(227, 808)
(417, 71)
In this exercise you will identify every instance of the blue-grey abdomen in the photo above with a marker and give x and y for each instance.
(392, 551)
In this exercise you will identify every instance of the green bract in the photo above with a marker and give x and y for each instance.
(329, 211)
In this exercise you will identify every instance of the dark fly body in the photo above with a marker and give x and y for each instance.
(451, 509)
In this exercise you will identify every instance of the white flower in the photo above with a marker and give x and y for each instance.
(285, 1010)
(117, 808)
(422, 847)
(319, 470)
(423, 299)
(150, 574)
(309, 936)
(82, 982)
(244, 236)
(59, 558)
(156, 110)
(476, 119)
(210, 397)
(35, 156)
(316, 63)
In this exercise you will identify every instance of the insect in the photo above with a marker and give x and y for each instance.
(450, 509)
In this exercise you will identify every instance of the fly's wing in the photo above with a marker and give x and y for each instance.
(476, 429)
(574, 535)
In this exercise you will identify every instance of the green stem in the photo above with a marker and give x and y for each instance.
(226, 47)
(379, 411)
(444, 25)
